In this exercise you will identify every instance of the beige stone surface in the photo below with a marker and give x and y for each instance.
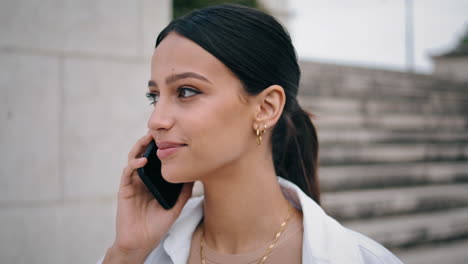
(29, 134)
(103, 27)
(153, 21)
(73, 77)
(105, 113)
(73, 232)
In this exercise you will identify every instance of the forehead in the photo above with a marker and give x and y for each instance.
(177, 54)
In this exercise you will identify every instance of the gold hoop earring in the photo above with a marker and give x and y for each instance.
(259, 137)
(260, 133)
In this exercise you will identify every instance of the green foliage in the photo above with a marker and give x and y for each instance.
(182, 7)
(461, 50)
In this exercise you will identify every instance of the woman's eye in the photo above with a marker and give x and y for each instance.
(187, 92)
(184, 92)
(153, 97)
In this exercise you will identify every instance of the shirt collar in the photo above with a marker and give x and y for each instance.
(324, 239)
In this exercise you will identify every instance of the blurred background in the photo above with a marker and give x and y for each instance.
(388, 81)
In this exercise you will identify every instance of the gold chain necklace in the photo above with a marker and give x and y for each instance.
(270, 247)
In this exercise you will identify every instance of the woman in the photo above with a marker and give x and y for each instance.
(224, 81)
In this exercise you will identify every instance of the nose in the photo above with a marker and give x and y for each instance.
(161, 118)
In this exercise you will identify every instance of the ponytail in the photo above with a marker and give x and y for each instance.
(295, 151)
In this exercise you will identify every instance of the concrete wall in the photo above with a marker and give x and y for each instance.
(72, 76)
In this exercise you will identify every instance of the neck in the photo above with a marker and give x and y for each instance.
(243, 207)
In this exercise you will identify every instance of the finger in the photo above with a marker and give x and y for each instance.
(129, 171)
(139, 148)
(185, 194)
(137, 163)
(126, 178)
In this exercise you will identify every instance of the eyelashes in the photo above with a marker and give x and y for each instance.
(183, 93)
(152, 97)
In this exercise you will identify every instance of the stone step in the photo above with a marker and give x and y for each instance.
(427, 106)
(346, 78)
(408, 121)
(360, 135)
(392, 152)
(371, 91)
(361, 204)
(448, 253)
(345, 81)
(392, 122)
(366, 107)
(339, 121)
(323, 104)
(351, 177)
(365, 88)
(412, 230)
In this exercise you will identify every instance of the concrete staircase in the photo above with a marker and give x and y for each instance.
(393, 157)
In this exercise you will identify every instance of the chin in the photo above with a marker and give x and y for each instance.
(176, 175)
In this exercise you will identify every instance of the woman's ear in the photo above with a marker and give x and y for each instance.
(269, 106)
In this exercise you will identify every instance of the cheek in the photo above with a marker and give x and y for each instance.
(224, 136)
(218, 135)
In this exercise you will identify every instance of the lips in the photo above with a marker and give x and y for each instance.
(166, 149)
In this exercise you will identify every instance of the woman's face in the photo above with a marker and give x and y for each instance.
(202, 120)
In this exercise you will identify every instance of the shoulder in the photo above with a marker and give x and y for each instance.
(327, 240)
(371, 251)
(356, 246)
(342, 244)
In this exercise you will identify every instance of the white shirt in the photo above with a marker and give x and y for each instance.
(324, 239)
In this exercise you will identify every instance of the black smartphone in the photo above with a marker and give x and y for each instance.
(165, 192)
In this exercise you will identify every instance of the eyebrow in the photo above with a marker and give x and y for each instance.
(176, 77)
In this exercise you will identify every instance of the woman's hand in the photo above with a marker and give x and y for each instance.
(141, 221)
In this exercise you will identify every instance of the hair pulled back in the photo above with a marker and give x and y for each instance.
(258, 50)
